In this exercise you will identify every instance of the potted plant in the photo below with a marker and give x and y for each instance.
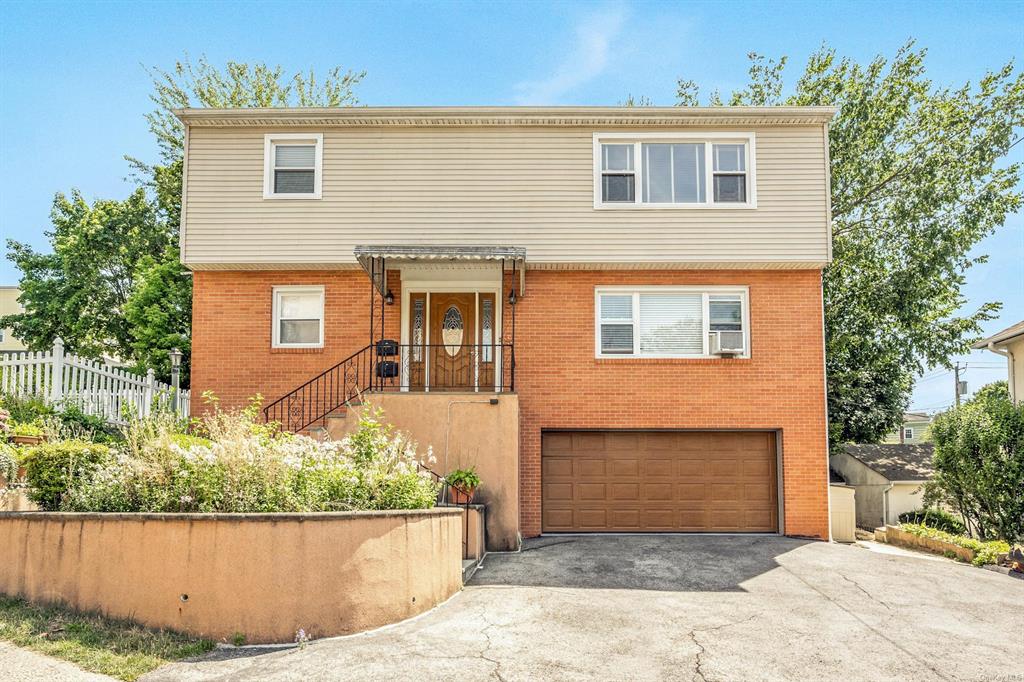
(26, 434)
(462, 483)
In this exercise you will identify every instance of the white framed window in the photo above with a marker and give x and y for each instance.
(674, 170)
(670, 321)
(298, 317)
(908, 433)
(293, 165)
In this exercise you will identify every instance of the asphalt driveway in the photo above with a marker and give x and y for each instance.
(680, 608)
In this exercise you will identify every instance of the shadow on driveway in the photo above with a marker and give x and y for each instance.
(670, 563)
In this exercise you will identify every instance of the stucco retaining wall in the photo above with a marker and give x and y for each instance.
(262, 575)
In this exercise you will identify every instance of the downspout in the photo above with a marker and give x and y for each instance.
(885, 504)
(1009, 361)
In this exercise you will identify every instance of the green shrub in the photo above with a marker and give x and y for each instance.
(25, 409)
(244, 467)
(979, 464)
(87, 426)
(52, 469)
(985, 551)
(22, 429)
(9, 462)
(935, 518)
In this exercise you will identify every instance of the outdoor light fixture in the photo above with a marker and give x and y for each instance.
(389, 298)
(512, 297)
(176, 356)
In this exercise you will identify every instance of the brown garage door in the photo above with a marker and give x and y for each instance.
(658, 481)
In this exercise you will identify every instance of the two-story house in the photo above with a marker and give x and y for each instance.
(615, 314)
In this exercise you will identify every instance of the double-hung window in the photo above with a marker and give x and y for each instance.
(668, 322)
(298, 317)
(293, 166)
(676, 170)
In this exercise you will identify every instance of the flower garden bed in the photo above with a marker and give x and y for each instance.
(965, 549)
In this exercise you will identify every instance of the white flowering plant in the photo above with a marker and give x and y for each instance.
(239, 465)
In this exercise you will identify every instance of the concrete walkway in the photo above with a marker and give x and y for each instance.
(680, 608)
(25, 665)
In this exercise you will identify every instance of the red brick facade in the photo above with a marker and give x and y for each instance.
(559, 381)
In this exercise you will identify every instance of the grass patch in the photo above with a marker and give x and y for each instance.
(114, 647)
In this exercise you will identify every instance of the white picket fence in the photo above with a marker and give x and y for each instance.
(99, 389)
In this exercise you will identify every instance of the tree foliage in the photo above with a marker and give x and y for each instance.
(79, 290)
(918, 177)
(112, 284)
(979, 463)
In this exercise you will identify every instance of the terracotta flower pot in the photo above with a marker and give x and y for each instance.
(458, 495)
(26, 440)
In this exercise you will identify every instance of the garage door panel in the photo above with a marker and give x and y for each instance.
(591, 467)
(625, 492)
(659, 481)
(625, 519)
(557, 466)
(592, 518)
(659, 519)
(558, 519)
(621, 467)
(658, 491)
(591, 491)
(557, 492)
(659, 468)
(690, 469)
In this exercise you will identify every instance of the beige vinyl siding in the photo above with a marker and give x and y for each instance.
(529, 186)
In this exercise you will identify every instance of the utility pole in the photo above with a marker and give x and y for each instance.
(960, 387)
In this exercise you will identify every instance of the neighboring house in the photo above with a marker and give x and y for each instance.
(1010, 344)
(9, 306)
(913, 430)
(888, 479)
(615, 314)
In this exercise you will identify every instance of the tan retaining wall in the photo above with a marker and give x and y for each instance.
(895, 535)
(262, 575)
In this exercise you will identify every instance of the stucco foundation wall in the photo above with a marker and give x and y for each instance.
(463, 430)
(264, 576)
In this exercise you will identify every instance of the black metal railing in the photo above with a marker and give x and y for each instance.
(387, 366)
(325, 393)
(444, 367)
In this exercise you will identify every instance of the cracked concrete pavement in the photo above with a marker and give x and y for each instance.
(674, 607)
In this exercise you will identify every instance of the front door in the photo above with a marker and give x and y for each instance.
(452, 347)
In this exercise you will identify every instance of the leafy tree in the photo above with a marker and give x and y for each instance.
(159, 311)
(979, 463)
(113, 284)
(918, 178)
(79, 291)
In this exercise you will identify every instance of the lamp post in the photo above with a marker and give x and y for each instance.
(176, 356)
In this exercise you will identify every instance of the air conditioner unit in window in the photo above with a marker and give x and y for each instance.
(727, 343)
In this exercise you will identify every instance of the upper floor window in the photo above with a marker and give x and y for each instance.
(293, 166)
(666, 170)
(298, 317)
(667, 321)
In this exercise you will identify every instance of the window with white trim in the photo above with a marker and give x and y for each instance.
(673, 170)
(908, 433)
(298, 317)
(293, 166)
(669, 322)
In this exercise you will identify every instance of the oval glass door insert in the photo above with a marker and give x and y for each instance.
(451, 330)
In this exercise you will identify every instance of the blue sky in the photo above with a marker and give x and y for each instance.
(73, 90)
